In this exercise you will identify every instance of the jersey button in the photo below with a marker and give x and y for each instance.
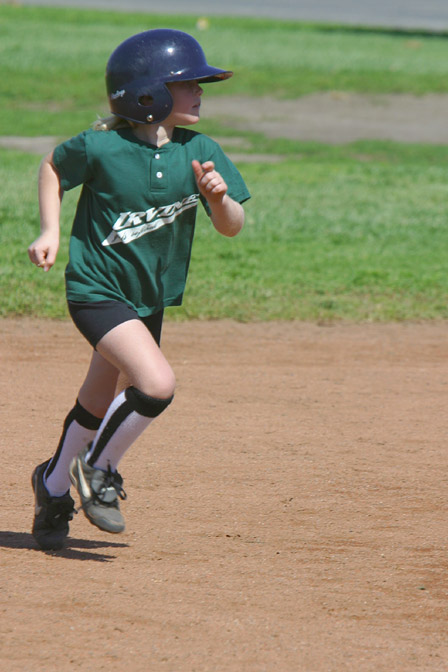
(159, 175)
(157, 156)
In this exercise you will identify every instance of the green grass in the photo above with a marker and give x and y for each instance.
(352, 240)
(356, 232)
(353, 233)
(53, 61)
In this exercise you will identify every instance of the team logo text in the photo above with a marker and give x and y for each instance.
(132, 225)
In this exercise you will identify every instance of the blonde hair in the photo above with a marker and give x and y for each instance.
(110, 123)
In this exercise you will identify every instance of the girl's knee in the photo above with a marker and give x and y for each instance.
(156, 381)
(161, 386)
(146, 405)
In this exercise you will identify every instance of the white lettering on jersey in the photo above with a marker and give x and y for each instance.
(132, 225)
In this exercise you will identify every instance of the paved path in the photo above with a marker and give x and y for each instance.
(428, 14)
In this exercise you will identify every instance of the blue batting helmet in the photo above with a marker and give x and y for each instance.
(140, 67)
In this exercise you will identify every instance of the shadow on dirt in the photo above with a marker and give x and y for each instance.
(75, 549)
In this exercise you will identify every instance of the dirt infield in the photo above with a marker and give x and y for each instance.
(288, 513)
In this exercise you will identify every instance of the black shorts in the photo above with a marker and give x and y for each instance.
(95, 319)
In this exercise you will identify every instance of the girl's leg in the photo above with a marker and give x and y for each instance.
(54, 507)
(82, 422)
(131, 349)
(98, 389)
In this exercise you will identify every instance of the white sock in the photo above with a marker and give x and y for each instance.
(80, 428)
(121, 426)
(76, 437)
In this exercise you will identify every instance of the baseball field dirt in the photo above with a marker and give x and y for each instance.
(288, 513)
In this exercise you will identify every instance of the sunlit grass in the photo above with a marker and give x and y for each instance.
(329, 236)
(56, 86)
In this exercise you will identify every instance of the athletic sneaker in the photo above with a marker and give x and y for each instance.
(99, 492)
(51, 514)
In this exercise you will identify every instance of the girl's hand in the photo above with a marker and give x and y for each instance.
(210, 182)
(43, 251)
(226, 214)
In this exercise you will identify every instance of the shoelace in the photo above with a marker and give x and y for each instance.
(112, 479)
(61, 512)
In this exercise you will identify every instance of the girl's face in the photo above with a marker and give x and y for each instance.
(186, 103)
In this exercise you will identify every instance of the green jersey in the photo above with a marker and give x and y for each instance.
(134, 224)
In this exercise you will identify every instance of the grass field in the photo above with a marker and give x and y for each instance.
(57, 84)
(355, 232)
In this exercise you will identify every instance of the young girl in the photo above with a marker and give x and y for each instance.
(130, 247)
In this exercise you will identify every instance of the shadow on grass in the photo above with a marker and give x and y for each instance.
(75, 549)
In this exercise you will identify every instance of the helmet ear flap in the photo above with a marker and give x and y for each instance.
(147, 101)
(143, 103)
(154, 102)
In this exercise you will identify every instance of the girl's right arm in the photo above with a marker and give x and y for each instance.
(44, 249)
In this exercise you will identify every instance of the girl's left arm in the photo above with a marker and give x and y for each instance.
(226, 214)
(43, 251)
